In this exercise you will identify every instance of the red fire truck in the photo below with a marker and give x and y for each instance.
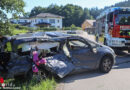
(115, 24)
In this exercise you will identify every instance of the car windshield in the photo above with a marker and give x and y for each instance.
(123, 19)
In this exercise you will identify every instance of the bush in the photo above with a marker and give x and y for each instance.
(72, 27)
(17, 26)
(48, 29)
(33, 84)
(66, 28)
(5, 28)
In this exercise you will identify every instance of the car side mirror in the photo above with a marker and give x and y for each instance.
(94, 50)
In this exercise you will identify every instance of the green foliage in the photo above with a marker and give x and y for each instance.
(13, 7)
(66, 28)
(72, 14)
(37, 10)
(125, 3)
(16, 31)
(47, 84)
(20, 27)
(48, 29)
(10, 6)
(95, 12)
(5, 28)
(72, 27)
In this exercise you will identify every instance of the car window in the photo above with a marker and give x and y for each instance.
(76, 44)
(92, 44)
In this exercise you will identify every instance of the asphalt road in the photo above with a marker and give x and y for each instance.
(117, 79)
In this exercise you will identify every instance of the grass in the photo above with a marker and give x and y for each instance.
(48, 84)
(15, 31)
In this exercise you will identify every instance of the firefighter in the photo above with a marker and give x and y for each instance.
(97, 37)
(8, 47)
(5, 44)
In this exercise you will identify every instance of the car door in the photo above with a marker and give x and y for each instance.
(82, 54)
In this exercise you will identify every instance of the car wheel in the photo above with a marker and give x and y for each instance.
(106, 64)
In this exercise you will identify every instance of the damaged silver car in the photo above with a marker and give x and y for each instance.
(77, 54)
(60, 56)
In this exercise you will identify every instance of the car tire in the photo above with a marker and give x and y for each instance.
(106, 64)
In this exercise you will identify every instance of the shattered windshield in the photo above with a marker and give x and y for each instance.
(123, 19)
(45, 45)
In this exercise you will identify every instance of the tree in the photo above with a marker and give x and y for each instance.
(55, 9)
(95, 12)
(13, 7)
(27, 14)
(72, 14)
(37, 10)
(86, 15)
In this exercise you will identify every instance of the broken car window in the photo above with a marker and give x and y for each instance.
(66, 50)
(94, 45)
(76, 44)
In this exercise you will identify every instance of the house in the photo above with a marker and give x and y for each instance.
(89, 26)
(22, 21)
(40, 20)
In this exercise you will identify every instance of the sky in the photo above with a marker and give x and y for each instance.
(83, 3)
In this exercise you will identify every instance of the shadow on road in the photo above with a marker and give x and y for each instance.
(80, 76)
(122, 62)
(124, 57)
(122, 65)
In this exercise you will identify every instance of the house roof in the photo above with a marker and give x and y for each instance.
(45, 15)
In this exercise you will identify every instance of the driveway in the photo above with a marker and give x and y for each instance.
(117, 79)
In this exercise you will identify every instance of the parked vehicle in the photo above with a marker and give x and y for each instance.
(115, 24)
(60, 56)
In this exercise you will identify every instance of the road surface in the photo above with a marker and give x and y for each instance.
(117, 79)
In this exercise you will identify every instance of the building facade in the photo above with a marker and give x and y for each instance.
(40, 20)
(89, 26)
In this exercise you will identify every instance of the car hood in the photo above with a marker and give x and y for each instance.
(106, 48)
